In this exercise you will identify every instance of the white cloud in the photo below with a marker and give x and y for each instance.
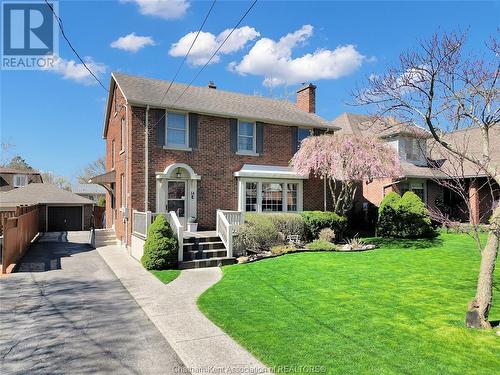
(207, 43)
(167, 9)
(69, 69)
(273, 60)
(132, 42)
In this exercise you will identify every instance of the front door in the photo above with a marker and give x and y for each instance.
(176, 199)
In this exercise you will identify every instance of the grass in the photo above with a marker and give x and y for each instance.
(398, 309)
(166, 276)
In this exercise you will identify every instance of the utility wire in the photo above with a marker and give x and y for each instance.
(208, 62)
(216, 51)
(189, 50)
(60, 23)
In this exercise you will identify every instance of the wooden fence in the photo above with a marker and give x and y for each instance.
(99, 213)
(18, 233)
(4, 214)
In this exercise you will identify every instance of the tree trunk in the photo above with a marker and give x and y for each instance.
(479, 307)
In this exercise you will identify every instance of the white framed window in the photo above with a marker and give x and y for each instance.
(122, 190)
(176, 130)
(246, 137)
(419, 187)
(266, 195)
(122, 135)
(302, 133)
(20, 180)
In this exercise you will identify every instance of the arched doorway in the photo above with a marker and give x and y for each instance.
(176, 190)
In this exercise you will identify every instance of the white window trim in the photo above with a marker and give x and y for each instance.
(253, 152)
(122, 135)
(184, 147)
(113, 154)
(242, 193)
(23, 176)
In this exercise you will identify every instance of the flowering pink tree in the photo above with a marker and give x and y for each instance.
(344, 161)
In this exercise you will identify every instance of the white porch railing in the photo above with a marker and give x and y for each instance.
(178, 230)
(225, 223)
(141, 222)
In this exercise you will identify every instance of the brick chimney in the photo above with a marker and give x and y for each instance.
(306, 98)
(211, 85)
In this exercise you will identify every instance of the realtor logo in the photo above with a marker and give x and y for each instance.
(30, 37)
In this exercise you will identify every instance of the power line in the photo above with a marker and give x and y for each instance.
(216, 51)
(208, 62)
(60, 23)
(189, 50)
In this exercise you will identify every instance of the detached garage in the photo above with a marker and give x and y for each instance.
(61, 210)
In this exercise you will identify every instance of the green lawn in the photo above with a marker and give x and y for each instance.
(166, 276)
(398, 309)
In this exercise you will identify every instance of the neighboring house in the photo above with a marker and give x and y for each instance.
(12, 178)
(94, 192)
(64, 211)
(420, 172)
(204, 149)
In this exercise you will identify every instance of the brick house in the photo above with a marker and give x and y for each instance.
(11, 178)
(200, 149)
(420, 173)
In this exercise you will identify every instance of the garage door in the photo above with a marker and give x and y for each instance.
(64, 218)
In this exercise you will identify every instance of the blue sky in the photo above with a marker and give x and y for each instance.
(56, 123)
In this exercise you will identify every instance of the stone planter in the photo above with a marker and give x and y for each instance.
(192, 227)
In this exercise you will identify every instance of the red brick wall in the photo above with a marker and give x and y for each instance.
(213, 161)
(114, 133)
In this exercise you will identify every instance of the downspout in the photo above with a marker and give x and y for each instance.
(146, 161)
(126, 176)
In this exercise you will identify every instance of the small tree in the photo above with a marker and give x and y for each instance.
(345, 161)
(17, 162)
(160, 249)
(443, 87)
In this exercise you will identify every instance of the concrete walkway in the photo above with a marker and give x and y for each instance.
(202, 346)
(65, 312)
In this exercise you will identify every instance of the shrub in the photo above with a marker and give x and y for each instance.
(160, 248)
(289, 224)
(101, 202)
(256, 237)
(413, 217)
(321, 245)
(404, 217)
(387, 215)
(327, 234)
(282, 249)
(317, 220)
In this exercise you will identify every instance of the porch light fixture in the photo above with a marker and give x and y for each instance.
(178, 174)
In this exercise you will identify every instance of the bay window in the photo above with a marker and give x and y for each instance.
(266, 195)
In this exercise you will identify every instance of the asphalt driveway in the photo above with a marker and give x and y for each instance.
(64, 311)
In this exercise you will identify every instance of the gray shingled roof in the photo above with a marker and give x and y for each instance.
(143, 91)
(88, 189)
(356, 124)
(40, 193)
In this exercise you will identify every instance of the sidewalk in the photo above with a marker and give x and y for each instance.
(202, 346)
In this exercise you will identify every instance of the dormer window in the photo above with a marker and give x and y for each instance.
(20, 180)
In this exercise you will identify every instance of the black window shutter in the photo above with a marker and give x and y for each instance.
(160, 128)
(193, 130)
(233, 134)
(260, 138)
(295, 140)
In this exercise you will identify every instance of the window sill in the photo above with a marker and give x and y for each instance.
(247, 153)
(177, 148)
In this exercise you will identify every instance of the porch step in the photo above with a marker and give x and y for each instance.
(205, 254)
(101, 243)
(191, 239)
(212, 262)
(105, 237)
(204, 245)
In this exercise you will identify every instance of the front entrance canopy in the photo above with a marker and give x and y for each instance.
(105, 178)
(268, 171)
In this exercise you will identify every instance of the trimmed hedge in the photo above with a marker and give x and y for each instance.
(317, 220)
(160, 248)
(404, 217)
